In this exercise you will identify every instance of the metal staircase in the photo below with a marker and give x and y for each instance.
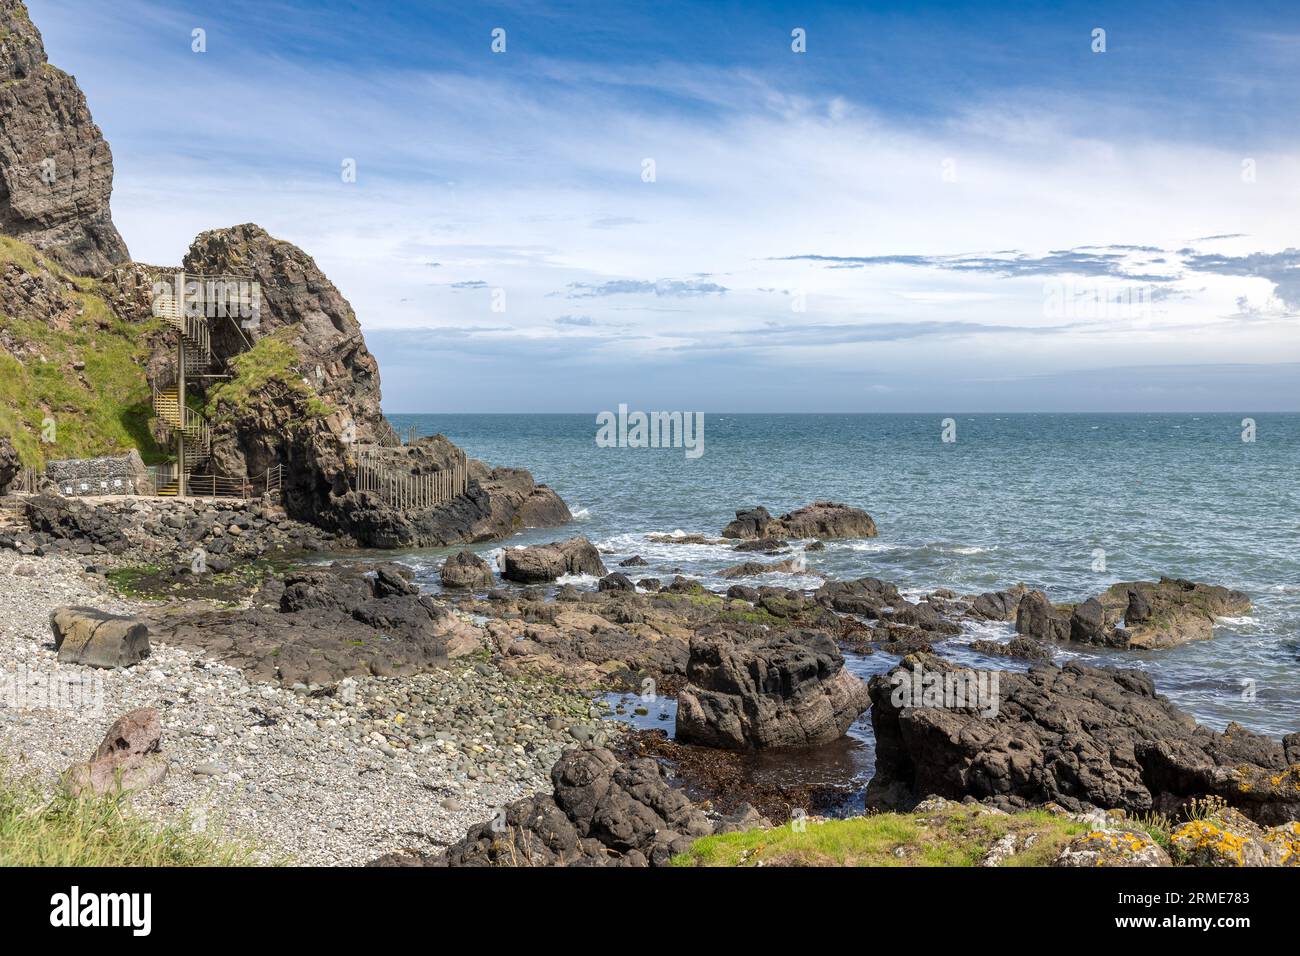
(176, 420)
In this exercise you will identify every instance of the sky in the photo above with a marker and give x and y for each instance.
(952, 207)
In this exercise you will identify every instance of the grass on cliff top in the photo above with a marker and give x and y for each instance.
(103, 408)
(270, 365)
(59, 830)
(958, 837)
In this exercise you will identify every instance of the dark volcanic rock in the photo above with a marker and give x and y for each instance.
(1026, 648)
(328, 623)
(755, 691)
(1136, 614)
(821, 519)
(1077, 736)
(601, 813)
(10, 465)
(546, 562)
(999, 605)
(465, 569)
(1037, 617)
(56, 170)
(865, 596)
(309, 424)
(618, 581)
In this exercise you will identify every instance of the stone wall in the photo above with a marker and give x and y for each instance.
(116, 475)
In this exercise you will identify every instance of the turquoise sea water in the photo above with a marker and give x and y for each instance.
(1030, 498)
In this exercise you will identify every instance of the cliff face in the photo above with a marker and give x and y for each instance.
(56, 170)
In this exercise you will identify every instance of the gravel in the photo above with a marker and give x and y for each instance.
(371, 766)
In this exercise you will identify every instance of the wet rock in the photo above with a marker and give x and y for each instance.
(755, 691)
(751, 569)
(618, 581)
(1038, 618)
(546, 562)
(84, 635)
(128, 759)
(636, 561)
(465, 569)
(821, 519)
(1025, 648)
(865, 596)
(998, 605)
(1076, 736)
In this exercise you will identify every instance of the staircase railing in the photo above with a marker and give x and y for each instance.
(199, 485)
(396, 485)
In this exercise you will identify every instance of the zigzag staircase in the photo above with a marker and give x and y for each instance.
(171, 414)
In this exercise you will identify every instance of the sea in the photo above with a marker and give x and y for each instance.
(1069, 503)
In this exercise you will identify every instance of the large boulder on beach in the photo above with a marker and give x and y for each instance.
(821, 519)
(539, 563)
(465, 569)
(129, 758)
(758, 690)
(93, 638)
(1077, 736)
(601, 813)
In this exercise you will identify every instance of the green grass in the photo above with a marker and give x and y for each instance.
(958, 837)
(101, 409)
(271, 364)
(60, 830)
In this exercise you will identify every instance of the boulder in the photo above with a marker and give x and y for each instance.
(465, 569)
(756, 691)
(1223, 837)
(618, 581)
(1167, 612)
(821, 519)
(1025, 648)
(750, 569)
(545, 562)
(84, 635)
(1038, 618)
(601, 813)
(998, 605)
(1077, 736)
(128, 759)
(865, 596)
(1122, 848)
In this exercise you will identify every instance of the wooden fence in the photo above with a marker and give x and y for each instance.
(400, 488)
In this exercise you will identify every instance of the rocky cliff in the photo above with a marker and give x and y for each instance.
(56, 170)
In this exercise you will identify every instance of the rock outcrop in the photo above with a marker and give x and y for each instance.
(821, 519)
(465, 569)
(1077, 736)
(94, 638)
(601, 813)
(56, 170)
(1134, 615)
(319, 625)
(538, 563)
(128, 759)
(759, 691)
(307, 394)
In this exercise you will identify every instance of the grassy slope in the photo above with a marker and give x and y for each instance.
(37, 830)
(104, 408)
(959, 837)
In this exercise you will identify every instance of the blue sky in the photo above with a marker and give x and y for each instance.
(949, 207)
